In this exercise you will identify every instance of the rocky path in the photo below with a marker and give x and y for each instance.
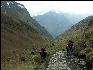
(60, 61)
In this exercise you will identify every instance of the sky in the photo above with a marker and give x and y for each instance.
(40, 7)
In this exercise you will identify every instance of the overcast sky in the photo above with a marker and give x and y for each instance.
(41, 7)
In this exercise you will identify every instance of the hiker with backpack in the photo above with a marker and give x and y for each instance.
(71, 44)
(43, 53)
(69, 47)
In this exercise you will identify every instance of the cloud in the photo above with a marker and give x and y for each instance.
(40, 7)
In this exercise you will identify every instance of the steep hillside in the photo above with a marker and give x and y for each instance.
(57, 23)
(82, 35)
(18, 10)
(19, 41)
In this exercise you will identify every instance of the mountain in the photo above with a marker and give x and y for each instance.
(58, 23)
(21, 38)
(18, 10)
(75, 18)
(82, 35)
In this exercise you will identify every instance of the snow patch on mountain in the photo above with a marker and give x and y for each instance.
(7, 3)
(21, 6)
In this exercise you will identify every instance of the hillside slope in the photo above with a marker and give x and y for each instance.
(21, 40)
(18, 10)
(82, 35)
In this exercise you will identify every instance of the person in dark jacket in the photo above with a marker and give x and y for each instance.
(69, 47)
(43, 53)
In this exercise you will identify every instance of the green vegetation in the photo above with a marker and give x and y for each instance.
(19, 44)
(82, 35)
(22, 38)
(21, 13)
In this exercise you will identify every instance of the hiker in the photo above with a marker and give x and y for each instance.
(69, 47)
(43, 53)
(71, 44)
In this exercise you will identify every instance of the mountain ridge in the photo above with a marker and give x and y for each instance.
(21, 38)
(60, 21)
(14, 9)
(82, 36)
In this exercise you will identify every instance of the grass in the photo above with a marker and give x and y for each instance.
(17, 45)
(83, 40)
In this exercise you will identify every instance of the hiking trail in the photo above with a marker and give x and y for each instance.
(60, 61)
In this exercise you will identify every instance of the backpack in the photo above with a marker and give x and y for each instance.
(43, 50)
(71, 43)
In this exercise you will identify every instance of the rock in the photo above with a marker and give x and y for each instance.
(60, 61)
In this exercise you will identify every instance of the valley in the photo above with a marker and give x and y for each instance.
(22, 37)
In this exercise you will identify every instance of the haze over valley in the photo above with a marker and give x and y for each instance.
(28, 26)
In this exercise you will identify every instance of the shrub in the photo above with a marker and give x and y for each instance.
(84, 52)
(36, 59)
(22, 58)
(89, 57)
(89, 60)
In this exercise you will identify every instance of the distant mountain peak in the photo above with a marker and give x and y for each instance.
(50, 12)
(58, 23)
